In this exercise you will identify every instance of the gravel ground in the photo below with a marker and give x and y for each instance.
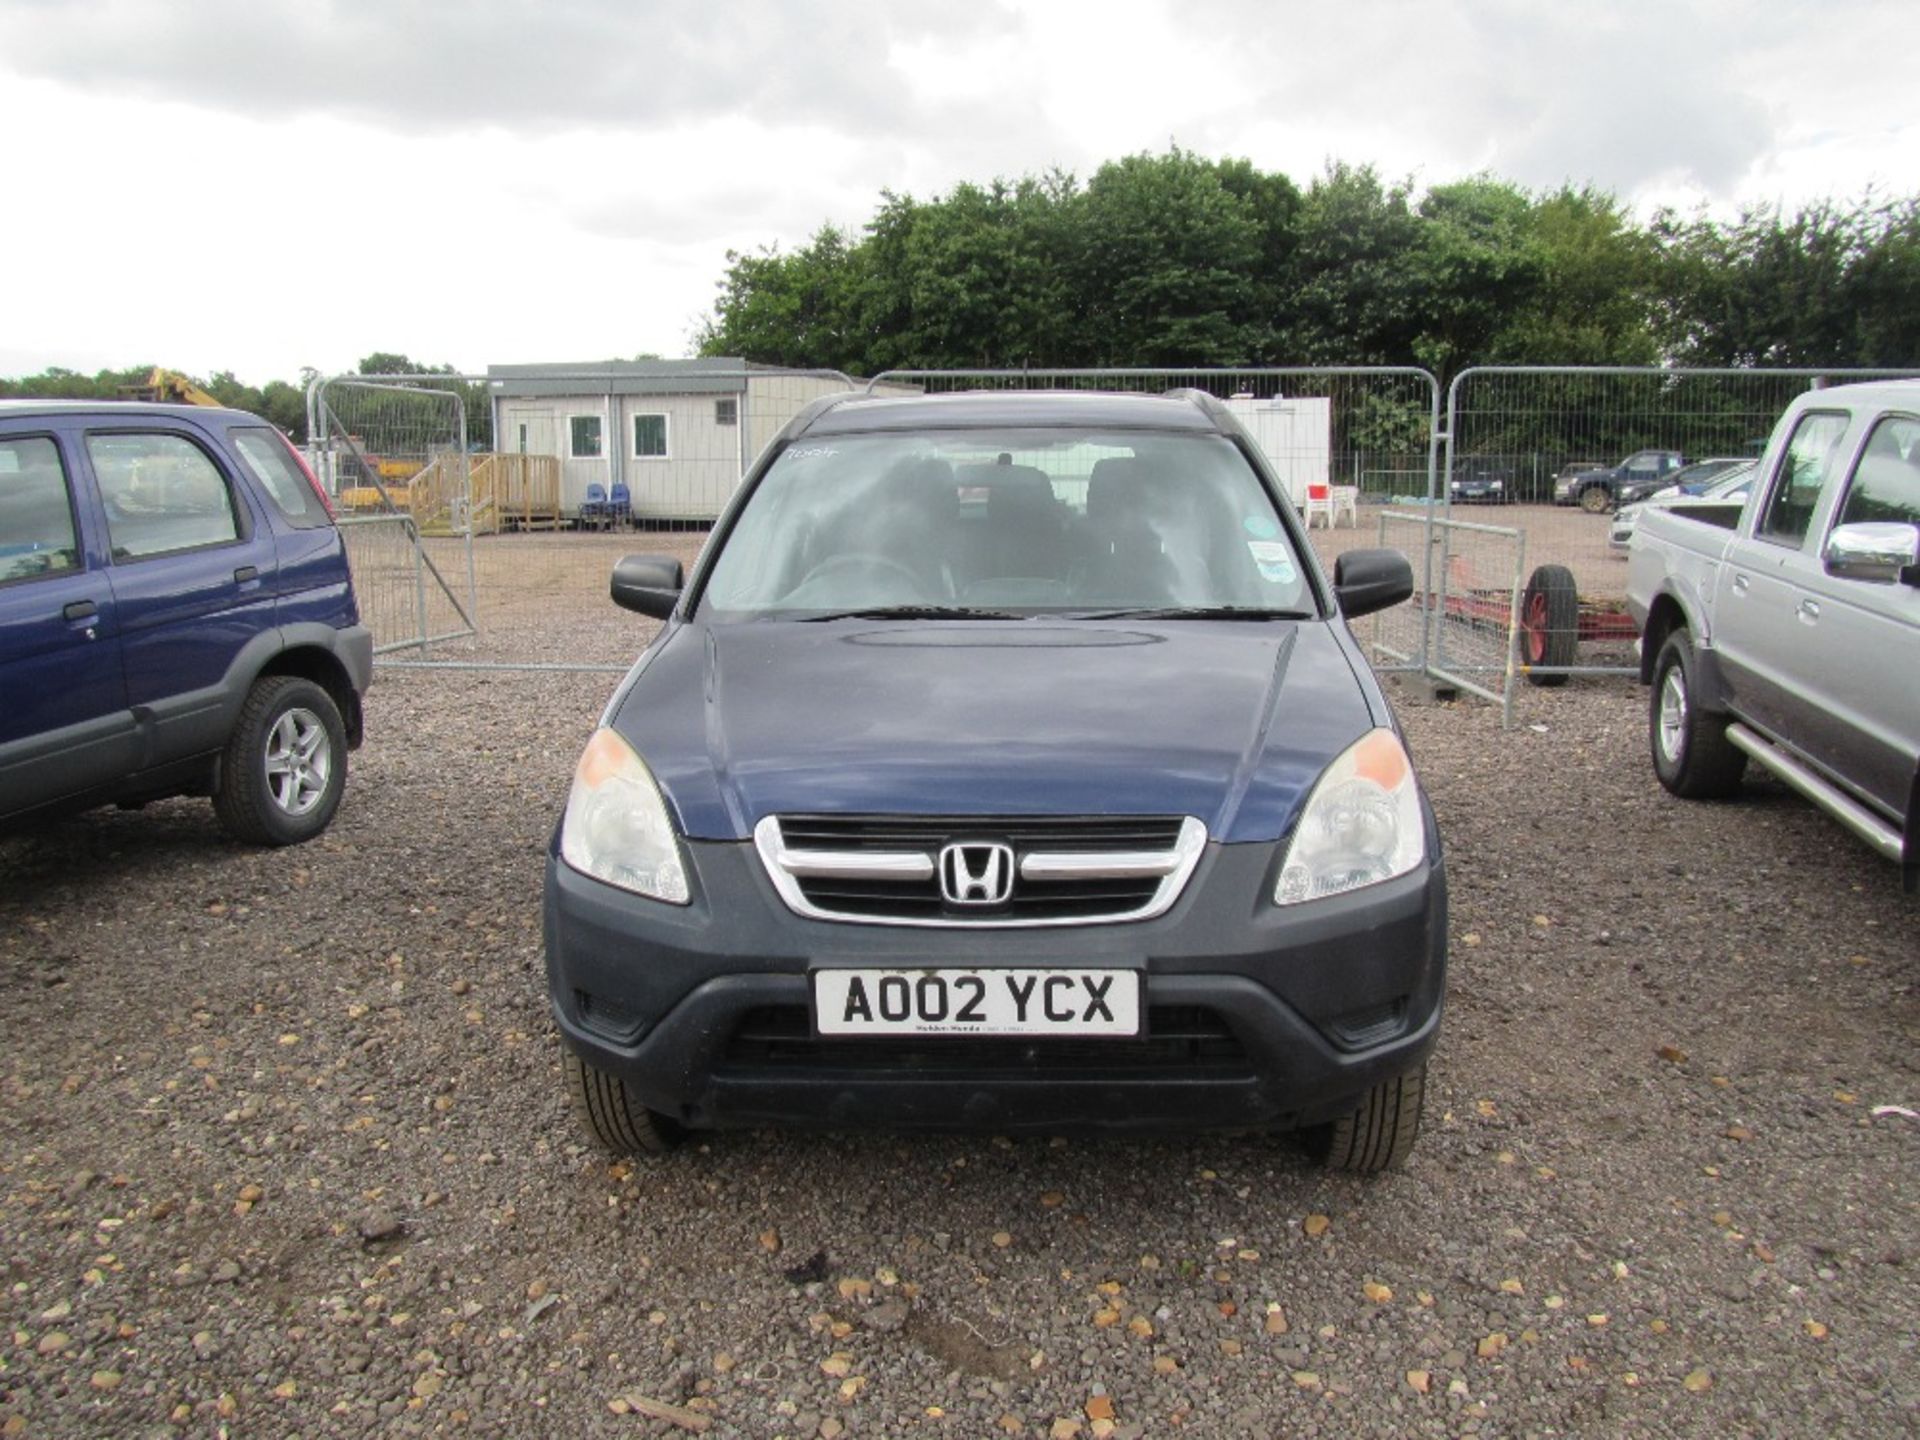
(283, 1149)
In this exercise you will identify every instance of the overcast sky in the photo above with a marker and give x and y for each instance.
(261, 185)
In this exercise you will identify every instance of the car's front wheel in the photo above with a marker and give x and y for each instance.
(1379, 1133)
(1691, 752)
(285, 765)
(613, 1114)
(1596, 499)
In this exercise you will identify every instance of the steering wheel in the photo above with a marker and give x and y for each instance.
(860, 559)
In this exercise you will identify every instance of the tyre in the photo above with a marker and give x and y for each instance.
(285, 765)
(1596, 499)
(613, 1115)
(1380, 1132)
(1549, 622)
(1691, 752)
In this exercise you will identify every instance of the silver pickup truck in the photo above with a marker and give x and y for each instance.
(1793, 639)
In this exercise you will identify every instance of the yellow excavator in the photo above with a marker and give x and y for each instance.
(168, 387)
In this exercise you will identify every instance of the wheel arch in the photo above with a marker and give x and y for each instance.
(1664, 616)
(323, 668)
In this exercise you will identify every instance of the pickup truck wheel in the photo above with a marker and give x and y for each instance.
(1549, 622)
(609, 1110)
(1691, 752)
(285, 765)
(1596, 499)
(1380, 1132)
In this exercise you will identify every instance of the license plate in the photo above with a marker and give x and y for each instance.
(976, 1002)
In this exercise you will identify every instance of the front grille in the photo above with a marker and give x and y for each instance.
(884, 869)
(1186, 1039)
(1043, 899)
(1023, 832)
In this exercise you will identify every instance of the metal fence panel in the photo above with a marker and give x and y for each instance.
(532, 572)
(1516, 435)
(1465, 618)
(394, 460)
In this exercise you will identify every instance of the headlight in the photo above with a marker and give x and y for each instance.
(1496, 485)
(1362, 824)
(616, 828)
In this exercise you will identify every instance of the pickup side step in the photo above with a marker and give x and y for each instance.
(1877, 832)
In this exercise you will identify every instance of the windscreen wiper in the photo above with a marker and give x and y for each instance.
(914, 612)
(1193, 612)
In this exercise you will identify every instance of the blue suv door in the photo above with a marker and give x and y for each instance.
(194, 574)
(64, 722)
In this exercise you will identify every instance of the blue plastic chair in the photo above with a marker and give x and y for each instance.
(594, 507)
(620, 506)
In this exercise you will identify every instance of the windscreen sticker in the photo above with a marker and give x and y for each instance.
(1261, 527)
(1274, 560)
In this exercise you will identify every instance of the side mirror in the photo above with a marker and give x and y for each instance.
(650, 584)
(1368, 580)
(1886, 551)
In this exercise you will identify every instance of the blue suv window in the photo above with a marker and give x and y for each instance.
(162, 494)
(36, 514)
(268, 459)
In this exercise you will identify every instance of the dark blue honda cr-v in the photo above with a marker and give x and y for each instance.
(176, 617)
(1006, 763)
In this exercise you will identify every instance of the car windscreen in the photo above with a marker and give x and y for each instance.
(1022, 522)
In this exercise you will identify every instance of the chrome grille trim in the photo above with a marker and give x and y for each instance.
(855, 864)
(786, 868)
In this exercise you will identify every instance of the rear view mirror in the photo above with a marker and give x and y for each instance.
(1368, 580)
(650, 584)
(1886, 551)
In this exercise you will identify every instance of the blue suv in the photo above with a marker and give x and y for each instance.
(176, 618)
(1007, 762)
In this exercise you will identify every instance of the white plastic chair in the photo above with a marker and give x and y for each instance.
(1345, 500)
(1320, 502)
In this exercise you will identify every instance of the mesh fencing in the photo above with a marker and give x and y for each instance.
(1462, 623)
(485, 520)
(394, 460)
(1560, 453)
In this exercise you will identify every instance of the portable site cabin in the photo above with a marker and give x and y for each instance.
(677, 433)
(1296, 436)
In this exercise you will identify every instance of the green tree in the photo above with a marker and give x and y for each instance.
(1356, 297)
(1825, 285)
(1593, 303)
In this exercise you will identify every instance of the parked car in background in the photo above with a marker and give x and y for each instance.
(1728, 492)
(1480, 481)
(1634, 478)
(1007, 762)
(176, 617)
(1792, 638)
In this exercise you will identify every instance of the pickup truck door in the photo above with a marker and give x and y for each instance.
(1862, 691)
(64, 722)
(1760, 631)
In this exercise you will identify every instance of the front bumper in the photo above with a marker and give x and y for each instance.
(1258, 1017)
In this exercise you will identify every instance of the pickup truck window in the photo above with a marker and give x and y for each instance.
(1886, 482)
(162, 494)
(1802, 477)
(36, 515)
